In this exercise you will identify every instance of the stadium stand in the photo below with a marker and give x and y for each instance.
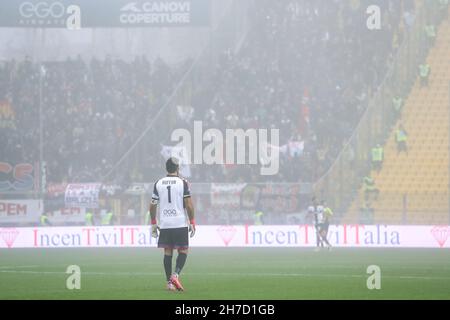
(304, 89)
(414, 186)
(298, 93)
(315, 90)
(92, 111)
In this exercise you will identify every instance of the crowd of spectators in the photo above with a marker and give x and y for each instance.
(91, 112)
(306, 67)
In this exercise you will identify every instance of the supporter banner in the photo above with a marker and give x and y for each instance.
(226, 195)
(17, 178)
(276, 197)
(111, 189)
(82, 195)
(104, 13)
(356, 236)
(56, 189)
(139, 189)
(20, 211)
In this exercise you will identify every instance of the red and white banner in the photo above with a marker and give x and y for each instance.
(56, 189)
(15, 211)
(358, 236)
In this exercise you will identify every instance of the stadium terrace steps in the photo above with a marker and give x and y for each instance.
(423, 174)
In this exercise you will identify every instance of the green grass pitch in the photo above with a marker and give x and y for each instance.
(226, 273)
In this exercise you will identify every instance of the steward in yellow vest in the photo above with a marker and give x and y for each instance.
(89, 218)
(44, 220)
(401, 136)
(258, 218)
(370, 188)
(377, 157)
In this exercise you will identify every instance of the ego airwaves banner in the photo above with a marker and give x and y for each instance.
(82, 195)
(75, 14)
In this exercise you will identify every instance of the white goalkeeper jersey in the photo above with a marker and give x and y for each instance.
(170, 192)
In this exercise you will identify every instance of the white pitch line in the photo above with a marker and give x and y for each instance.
(85, 273)
(343, 267)
(19, 267)
(304, 275)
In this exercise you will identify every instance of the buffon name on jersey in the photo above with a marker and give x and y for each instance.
(170, 193)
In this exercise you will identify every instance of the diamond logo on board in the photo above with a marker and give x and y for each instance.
(9, 235)
(226, 233)
(441, 234)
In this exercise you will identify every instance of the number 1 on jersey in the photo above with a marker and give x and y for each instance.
(168, 191)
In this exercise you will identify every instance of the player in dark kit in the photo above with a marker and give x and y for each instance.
(173, 196)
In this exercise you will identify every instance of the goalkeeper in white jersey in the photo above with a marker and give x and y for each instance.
(173, 196)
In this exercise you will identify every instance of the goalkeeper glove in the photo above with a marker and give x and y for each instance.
(192, 227)
(154, 229)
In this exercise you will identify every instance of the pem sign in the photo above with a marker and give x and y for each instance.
(299, 236)
(20, 211)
